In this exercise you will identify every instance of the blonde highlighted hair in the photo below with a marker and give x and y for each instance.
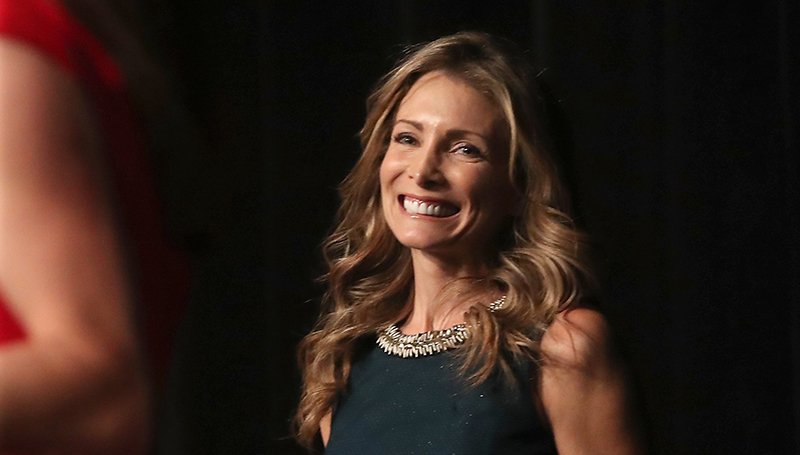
(539, 263)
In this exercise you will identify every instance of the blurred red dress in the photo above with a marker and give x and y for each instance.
(159, 272)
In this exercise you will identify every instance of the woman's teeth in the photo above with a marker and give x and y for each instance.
(427, 208)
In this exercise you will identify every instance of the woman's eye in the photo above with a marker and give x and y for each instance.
(405, 139)
(468, 150)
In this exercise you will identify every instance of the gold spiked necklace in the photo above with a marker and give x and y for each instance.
(395, 342)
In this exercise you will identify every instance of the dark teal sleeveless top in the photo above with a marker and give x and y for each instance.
(421, 406)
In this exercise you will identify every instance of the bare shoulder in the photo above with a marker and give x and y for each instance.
(52, 117)
(578, 338)
(583, 387)
(32, 70)
(61, 258)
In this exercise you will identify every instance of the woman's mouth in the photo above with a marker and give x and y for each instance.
(428, 208)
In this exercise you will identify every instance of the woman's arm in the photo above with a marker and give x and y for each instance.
(583, 388)
(325, 427)
(76, 383)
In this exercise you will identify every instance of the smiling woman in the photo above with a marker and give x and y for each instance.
(444, 179)
(454, 252)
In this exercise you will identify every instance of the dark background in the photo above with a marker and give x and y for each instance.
(681, 151)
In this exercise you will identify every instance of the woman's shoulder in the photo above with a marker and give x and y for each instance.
(583, 388)
(578, 337)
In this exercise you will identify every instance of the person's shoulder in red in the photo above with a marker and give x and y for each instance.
(76, 383)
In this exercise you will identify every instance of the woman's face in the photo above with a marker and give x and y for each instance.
(444, 180)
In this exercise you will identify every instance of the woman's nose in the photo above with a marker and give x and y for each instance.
(425, 168)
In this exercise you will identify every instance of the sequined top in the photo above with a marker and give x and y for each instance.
(421, 406)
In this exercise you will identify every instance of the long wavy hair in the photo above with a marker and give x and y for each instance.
(538, 263)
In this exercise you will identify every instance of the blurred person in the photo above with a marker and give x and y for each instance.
(91, 290)
(457, 316)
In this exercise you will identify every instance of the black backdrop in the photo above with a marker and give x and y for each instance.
(682, 156)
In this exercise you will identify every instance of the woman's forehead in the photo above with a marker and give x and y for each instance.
(439, 97)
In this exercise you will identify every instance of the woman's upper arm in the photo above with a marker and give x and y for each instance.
(77, 376)
(60, 249)
(583, 387)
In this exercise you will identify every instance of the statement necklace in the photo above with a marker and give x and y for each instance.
(395, 342)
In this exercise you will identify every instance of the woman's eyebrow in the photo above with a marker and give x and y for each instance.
(416, 125)
(461, 133)
(449, 133)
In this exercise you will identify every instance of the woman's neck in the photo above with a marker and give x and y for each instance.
(430, 308)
